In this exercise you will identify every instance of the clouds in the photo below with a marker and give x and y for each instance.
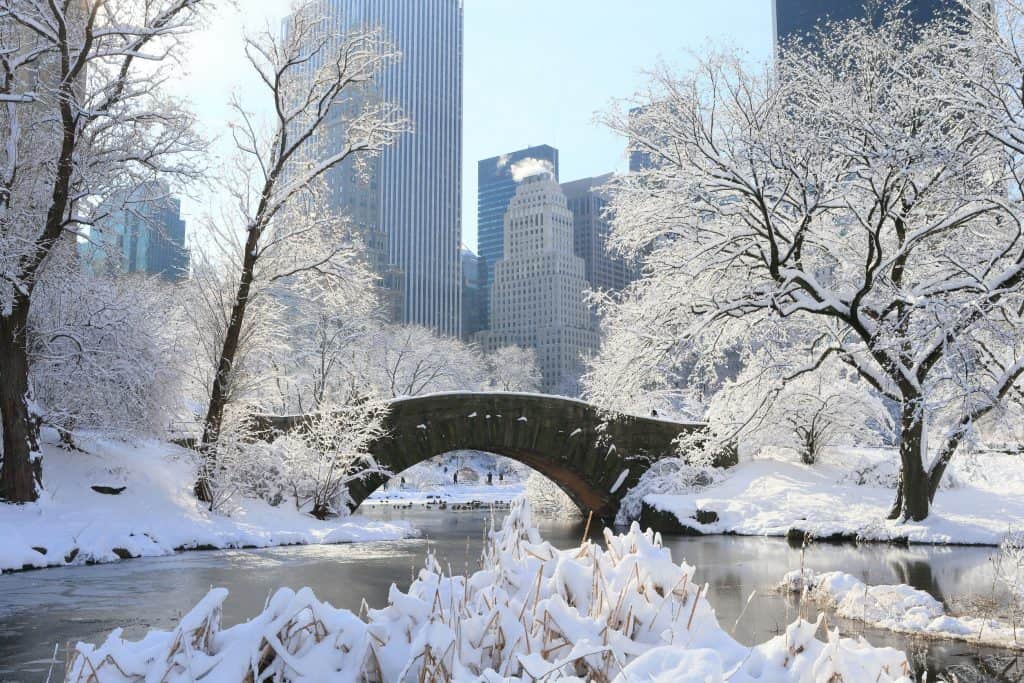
(530, 167)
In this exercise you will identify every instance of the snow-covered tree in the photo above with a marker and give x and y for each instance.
(409, 360)
(309, 73)
(103, 352)
(770, 405)
(842, 192)
(83, 116)
(513, 368)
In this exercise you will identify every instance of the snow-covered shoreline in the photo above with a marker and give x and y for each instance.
(156, 513)
(898, 608)
(776, 497)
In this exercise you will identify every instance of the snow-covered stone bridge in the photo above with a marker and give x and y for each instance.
(594, 456)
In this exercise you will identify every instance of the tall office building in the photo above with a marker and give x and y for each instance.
(142, 233)
(471, 294)
(796, 18)
(496, 185)
(603, 270)
(413, 191)
(537, 294)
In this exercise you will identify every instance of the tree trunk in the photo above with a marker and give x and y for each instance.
(221, 382)
(21, 474)
(913, 495)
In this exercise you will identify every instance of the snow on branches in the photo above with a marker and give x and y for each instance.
(83, 116)
(316, 79)
(849, 201)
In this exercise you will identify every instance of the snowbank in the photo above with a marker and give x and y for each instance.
(899, 608)
(769, 497)
(624, 613)
(155, 514)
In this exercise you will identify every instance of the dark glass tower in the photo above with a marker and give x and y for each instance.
(795, 18)
(604, 270)
(496, 185)
(143, 232)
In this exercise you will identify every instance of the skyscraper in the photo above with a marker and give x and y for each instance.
(537, 293)
(413, 192)
(142, 233)
(603, 270)
(471, 294)
(496, 185)
(795, 18)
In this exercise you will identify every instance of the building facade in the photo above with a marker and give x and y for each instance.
(603, 270)
(472, 286)
(409, 199)
(800, 18)
(496, 185)
(537, 293)
(143, 232)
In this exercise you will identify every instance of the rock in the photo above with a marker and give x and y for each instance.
(706, 516)
(39, 549)
(108, 490)
(122, 553)
(798, 537)
(72, 554)
(664, 522)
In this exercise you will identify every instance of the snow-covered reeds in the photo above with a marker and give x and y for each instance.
(531, 612)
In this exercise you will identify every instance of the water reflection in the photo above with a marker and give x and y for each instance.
(39, 609)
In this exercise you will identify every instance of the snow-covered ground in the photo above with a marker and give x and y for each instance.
(432, 481)
(850, 494)
(156, 514)
(898, 608)
(622, 613)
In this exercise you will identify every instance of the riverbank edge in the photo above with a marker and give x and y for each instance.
(824, 503)
(205, 547)
(668, 524)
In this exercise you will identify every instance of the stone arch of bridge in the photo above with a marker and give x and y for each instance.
(593, 455)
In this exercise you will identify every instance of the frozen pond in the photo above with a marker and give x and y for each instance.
(41, 609)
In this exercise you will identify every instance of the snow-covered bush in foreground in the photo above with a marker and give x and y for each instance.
(623, 613)
(899, 608)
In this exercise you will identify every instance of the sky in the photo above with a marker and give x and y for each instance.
(536, 72)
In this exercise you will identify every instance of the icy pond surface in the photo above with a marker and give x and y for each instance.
(41, 609)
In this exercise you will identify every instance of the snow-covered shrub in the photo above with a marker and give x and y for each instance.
(232, 469)
(101, 354)
(670, 475)
(622, 613)
(329, 452)
(546, 498)
(1009, 571)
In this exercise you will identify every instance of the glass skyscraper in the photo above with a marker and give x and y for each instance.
(795, 18)
(496, 185)
(142, 233)
(413, 194)
(604, 270)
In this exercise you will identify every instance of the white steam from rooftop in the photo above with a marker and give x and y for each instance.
(530, 167)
